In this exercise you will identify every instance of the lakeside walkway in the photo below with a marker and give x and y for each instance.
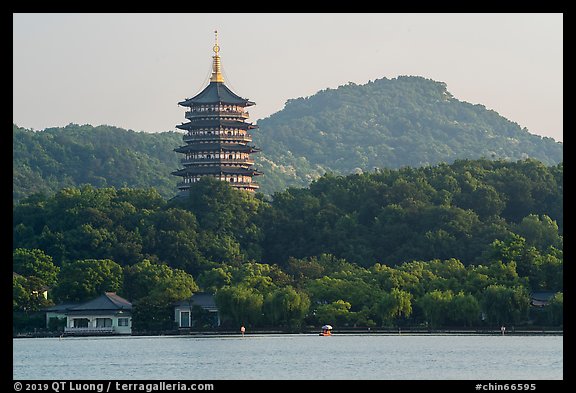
(343, 331)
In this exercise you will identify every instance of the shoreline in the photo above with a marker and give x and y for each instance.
(336, 332)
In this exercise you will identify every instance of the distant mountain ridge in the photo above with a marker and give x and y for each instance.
(387, 123)
(46, 161)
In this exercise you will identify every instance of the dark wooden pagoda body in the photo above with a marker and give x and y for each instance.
(217, 139)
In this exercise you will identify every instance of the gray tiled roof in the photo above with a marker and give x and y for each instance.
(542, 295)
(203, 299)
(62, 307)
(108, 301)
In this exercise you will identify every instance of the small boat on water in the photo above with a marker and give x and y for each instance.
(326, 330)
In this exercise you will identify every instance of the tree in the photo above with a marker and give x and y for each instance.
(215, 278)
(227, 214)
(141, 198)
(483, 199)
(88, 278)
(504, 305)
(20, 293)
(539, 231)
(304, 268)
(464, 309)
(153, 289)
(347, 287)
(336, 313)
(286, 307)
(160, 282)
(389, 278)
(152, 314)
(551, 271)
(239, 305)
(436, 306)
(393, 305)
(27, 295)
(543, 269)
(35, 263)
(555, 309)
(173, 236)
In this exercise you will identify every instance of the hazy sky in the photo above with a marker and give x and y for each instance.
(131, 70)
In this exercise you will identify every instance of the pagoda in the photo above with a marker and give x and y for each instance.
(217, 138)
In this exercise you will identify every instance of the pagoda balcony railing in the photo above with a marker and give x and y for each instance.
(184, 185)
(199, 161)
(244, 184)
(194, 114)
(217, 137)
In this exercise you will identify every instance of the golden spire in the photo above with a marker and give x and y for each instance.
(216, 73)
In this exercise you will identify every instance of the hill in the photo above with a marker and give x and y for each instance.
(387, 123)
(46, 161)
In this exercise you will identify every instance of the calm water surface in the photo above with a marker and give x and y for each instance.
(299, 356)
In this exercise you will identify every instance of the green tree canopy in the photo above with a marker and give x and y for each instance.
(392, 305)
(436, 306)
(88, 278)
(147, 279)
(35, 263)
(504, 305)
(286, 307)
(540, 232)
(27, 295)
(239, 305)
(334, 313)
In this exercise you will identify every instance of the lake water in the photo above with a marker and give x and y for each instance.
(286, 356)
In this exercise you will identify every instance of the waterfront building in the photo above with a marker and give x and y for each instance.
(199, 311)
(106, 314)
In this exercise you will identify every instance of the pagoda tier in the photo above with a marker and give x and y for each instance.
(217, 170)
(237, 177)
(216, 139)
(222, 147)
(216, 124)
(223, 137)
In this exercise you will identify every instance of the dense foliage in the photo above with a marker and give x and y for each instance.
(103, 156)
(447, 245)
(393, 216)
(387, 123)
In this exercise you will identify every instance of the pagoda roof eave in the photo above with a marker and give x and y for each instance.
(215, 123)
(215, 170)
(214, 93)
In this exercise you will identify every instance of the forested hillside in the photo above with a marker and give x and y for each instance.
(387, 123)
(48, 160)
(432, 246)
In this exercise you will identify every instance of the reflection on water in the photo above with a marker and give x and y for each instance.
(385, 357)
